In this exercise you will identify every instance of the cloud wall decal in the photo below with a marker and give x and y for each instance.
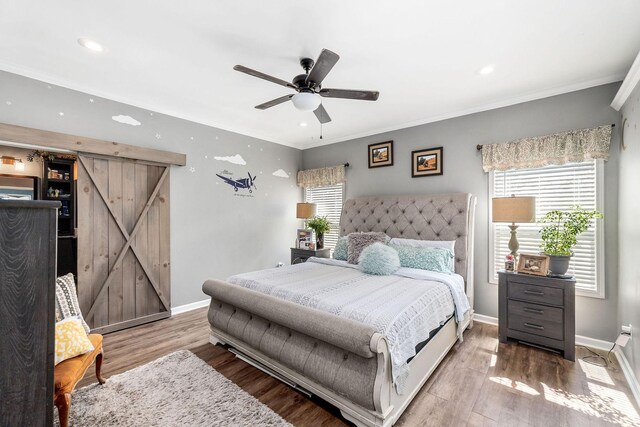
(281, 173)
(236, 160)
(127, 120)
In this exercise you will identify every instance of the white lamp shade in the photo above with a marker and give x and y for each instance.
(305, 101)
(514, 209)
(19, 166)
(305, 210)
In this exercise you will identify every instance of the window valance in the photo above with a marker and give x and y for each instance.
(321, 177)
(556, 149)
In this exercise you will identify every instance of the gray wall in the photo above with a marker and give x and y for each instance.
(596, 318)
(214, 231)
(629, 208)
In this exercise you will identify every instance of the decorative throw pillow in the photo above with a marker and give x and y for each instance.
(340, 251)
(448, 244)
(358, 241)
(432, 259)
(67, 300)
(71, 339)
(379, 259)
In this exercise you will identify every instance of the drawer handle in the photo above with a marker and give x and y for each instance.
(533, 310)
(534, 326)
(537, 293)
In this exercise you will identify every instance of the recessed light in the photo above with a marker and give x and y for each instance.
(487, 69)
(90, 44)
(303, 124)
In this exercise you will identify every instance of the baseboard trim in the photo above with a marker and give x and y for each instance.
(485, 319)
(580, 340)
(593, 343)
(629, 375)
(191, 306)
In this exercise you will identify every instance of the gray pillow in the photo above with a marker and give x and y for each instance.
(340, 251)
(358, 241)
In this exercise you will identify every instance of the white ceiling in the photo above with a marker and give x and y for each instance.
(176, 57)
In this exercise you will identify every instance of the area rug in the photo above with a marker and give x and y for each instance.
(179, 389)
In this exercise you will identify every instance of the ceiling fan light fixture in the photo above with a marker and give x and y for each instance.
(306, 101)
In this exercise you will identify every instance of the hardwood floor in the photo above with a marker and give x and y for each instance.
(479, 383)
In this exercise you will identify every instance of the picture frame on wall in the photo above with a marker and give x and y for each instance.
(427, 162)
(381, 154)
(533, 264)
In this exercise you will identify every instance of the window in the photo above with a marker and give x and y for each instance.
(329, 203)
(555, 188)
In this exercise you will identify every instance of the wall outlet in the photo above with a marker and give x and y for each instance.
(280, 264)
(623, 340)
(627, 329)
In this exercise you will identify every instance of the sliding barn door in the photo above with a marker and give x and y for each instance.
(123, 242)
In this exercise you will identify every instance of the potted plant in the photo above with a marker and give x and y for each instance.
(320, 225)
(560, 234)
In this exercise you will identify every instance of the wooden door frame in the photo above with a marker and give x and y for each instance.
(81, 144)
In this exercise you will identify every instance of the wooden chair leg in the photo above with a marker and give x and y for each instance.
(63, 403)
(99, 368)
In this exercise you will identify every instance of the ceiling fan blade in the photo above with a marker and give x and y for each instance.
(323, 65)
(363, 95)
(274, 102)
(263, 76)
(322, 115)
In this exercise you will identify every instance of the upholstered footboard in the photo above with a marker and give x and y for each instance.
(342, 356)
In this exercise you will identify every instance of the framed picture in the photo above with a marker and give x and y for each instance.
(533, 264)
(426, 162)
(381, 154)
(304, 238)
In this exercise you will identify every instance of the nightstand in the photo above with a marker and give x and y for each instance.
(301, 255)
(539, 310)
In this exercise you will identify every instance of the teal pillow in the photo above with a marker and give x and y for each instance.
(425, 258)
(379, 259)
(340, 251)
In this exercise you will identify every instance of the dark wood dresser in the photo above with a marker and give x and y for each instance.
(539, 310)
(28, 234)
(301, 255)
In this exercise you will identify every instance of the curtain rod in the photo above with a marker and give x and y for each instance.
(346, 165)
(479, 146)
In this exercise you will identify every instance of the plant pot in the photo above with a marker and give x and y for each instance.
(319, 240)
(558, 264)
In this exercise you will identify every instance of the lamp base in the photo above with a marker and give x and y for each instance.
(513, 241)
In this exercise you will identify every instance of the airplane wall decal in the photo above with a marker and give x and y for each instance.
(243, 183)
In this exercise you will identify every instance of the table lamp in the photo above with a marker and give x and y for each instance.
(514, 210)
(305, 211)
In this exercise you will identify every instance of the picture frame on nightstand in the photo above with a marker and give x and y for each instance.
(533, 264)
(304, 238)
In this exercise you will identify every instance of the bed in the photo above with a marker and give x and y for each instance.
(322, 327)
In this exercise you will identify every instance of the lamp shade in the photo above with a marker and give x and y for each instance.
(305, 210)
(305, 101)
(514, 209)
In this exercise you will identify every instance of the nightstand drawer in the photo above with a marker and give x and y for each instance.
(535, 311)
(535, 293)
(540, 327)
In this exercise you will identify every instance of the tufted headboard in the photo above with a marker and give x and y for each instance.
(425, 217)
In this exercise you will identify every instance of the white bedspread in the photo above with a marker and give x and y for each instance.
(404, 307)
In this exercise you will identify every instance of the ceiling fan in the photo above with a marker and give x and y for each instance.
(308, 86)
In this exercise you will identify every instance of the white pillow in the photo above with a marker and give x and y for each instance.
(414, 243)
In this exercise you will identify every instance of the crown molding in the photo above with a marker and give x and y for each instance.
(46, 78)
(532, 96)
(303, 145)
(628, 85)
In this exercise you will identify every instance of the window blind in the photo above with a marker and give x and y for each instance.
(555, 188)
(329, 203)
